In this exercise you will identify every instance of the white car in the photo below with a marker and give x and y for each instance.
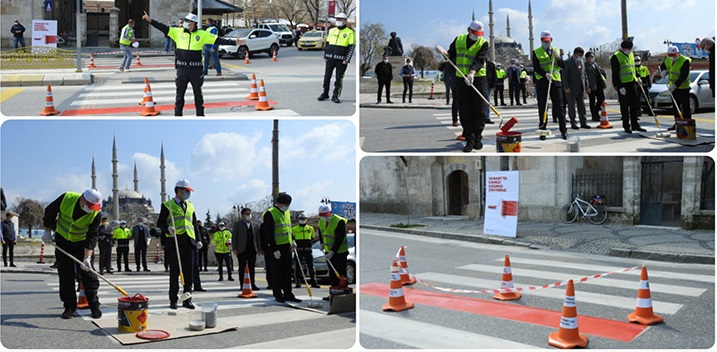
(257, 41)
(322, 268)
(700, 94)
(281, 31)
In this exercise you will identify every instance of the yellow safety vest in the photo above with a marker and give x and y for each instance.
(303, 232)
(121, 233)
(465, 56)
(73, 230)
(220, 241)
(341, 37)
(282, 225)
(329, 234)
(627, 66)
(546, 64)
(193, 41)
(182, 219)
(127, 35)
(643, 71)
(523, 74)
(500, 73)
(674, 68)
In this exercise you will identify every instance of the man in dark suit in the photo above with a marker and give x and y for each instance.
(384, 74)
(574, 87)
(246, 245)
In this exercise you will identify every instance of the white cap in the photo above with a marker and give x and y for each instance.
(301, 216)
(93, 197)
(545, 35)
(673, 51)
(191, 17)
(324, 210)
(476, 27)
(340, 15)
(184, 184)
(123, 222)
(221, 223)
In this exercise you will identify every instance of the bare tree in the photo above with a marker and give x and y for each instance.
(313, 10)
(372, 44)
(424, 58)
(346, 6)
(292, 10)
(30, 213)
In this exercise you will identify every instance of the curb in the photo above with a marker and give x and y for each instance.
(55, 79)
(661, 256)
(455, 236)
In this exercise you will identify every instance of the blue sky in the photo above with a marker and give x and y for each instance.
(584, 23)
(226, 161)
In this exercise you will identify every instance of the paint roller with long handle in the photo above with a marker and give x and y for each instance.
(119, 289)
(659, 133)
(185, 295)
(544, 118)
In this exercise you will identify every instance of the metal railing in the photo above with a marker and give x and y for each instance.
(38, 57)
(608, 186)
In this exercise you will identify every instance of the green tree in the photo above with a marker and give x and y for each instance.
(208, 219)
(424, 58)
(372, 42)
(30, 214)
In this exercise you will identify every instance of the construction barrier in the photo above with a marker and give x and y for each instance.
(430, 97)
(604, 121)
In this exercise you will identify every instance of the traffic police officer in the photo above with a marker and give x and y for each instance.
(276, 235)
(677, 69)
(304, 236)
(336, 245)
(222, 241)
(624, 80)
(105, 243)
(547, 63)
(340, 45)
(643, 75)
(122, 235)
(190, 41)
(73, 216)
(500, 76)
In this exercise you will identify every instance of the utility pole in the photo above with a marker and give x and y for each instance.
(275, 161)
(623, 8)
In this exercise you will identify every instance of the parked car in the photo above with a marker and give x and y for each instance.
(700, 94)
(257, 41)
(322, 268)
(312, 40)
(286, 37)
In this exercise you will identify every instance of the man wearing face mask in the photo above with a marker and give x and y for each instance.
(340, 45)
(125, 41)
(190, 41)
(574, 90)
(336, 245)
(594, 85)
(677, 69)
(624, 80)
(384, 75)
(469, 52)
(105, 242)
(73, 217)
(122, 236)
(278, 241)
(140, 234)
(184, 227)
(305, 237)
(524, 84)
(643, 75)
(547, 62)
(246, 245)
(499, 84)
(222, 241)
(514, 82)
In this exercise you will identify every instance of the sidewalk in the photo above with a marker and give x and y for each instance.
(643, 242)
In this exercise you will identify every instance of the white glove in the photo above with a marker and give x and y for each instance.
(330, 255)
(172, 230)
(556, 54)
(663, 74)
(293, 245)
(47, 237)
(549, 76)
(277, 254)
(672, 87)
(86, 264)
(199, 245)
(469, 80)
(623, 91)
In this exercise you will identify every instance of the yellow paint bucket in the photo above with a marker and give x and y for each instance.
(508, 142)
(686, 129)
(132, 313)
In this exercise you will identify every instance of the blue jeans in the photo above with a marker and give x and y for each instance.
(209, 55)
(166, 43)
(20, 40)
(487, 107)
(127, 60)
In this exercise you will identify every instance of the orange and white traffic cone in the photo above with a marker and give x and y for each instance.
(604, 121)
(147, 94)
(430, 97)
(157, 257)
(506, 281)
(246, 285)
(406, 278)
(263, 104)
(246, 57)
(643, 312)
(273, 56)
(82, 299)
(138, 63)
(49, 104)
(42, 252)
(396, 300)
(92, 61)
(568, 335)
(149, 103)
(254, 92)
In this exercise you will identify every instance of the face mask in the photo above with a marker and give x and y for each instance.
(185, 195)
(326, 218)
(105, 223)
(185, 25)
(222, 227)
(123, 226)
(339, 23)
(472, 36)
(302, 222)
(385, 61)
(591, 60)
(284, 208)
(247, 217)
(627, 51)
(546, 45)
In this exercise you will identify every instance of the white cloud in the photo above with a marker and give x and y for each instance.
(571, 12)
(327, 143)
(224, 156)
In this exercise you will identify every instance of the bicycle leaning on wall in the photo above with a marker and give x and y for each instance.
(595, 211)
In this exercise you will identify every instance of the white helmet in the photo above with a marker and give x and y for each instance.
(546, 36)
(476, 27)
(191, 17)
(340, 15)
(673, 51)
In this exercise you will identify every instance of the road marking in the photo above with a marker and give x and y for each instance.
(611, 329)
(137, 92)
(7, 93)
(160, 85)
(405, 331)
(137, 109)
(139, 98)
(337, 339)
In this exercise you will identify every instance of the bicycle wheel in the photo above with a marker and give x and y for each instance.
(568, 213)
(601, 215)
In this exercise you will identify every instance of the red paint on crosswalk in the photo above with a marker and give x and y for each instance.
(133, 67)
(164, 107)
(611, 329)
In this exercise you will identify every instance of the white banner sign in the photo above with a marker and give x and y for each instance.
(501, 203)
(44, 33)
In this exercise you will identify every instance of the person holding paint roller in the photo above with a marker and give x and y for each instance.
(547, 63)
(624, 80)
(677, 69)
(179, 227)
(336, 245)
(277, 239)
(73, 217)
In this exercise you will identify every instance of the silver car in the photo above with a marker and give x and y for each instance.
(257, 41)
(322, 268)
(700, 93)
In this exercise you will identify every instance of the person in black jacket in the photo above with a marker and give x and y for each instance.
(594, 85)
(202, 257)
(709, 45)
(105, 243)
(678, 80)
(408, 73)
(9, 239)
(384, 75)
(629, 101)
(18, 34)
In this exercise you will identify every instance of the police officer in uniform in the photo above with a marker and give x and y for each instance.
(190, 41)
(222, 241)
(336, 245)
(340, 45)
(105, 242)
(624, 80)
(122, 235)
(643, 75)
(277, 240)
(547, 62)
(677, 69)
(304, 236)
(73, 217)
(500, 76)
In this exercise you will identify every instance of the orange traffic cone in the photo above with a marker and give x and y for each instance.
(92, 61)
(147, 94)
(254, 92)
(263, 104)
(82, 300)
(246, 57)
(568, 335)
(406, 278)
(273, 56)
(643, 312)
(42, 252)
(149, 103)
(246, 285)
(49, 104)
(506, 281)
(396, 300)
(604, 121)
(430, 97)
(138, 63)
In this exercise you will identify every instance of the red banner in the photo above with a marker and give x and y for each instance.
(332, 8)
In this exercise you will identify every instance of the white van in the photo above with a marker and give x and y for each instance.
(286, 37)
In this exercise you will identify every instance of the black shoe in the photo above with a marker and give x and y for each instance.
(575, 127)
(489, 122)
(230, 278)
(335, 99)
(542, 138)
(503, 104)
(389, 102)
(292, 299)
(68, 313)
(221, 279)
(297, 286)
(323, 97)
(674, 127)
(110, 271)
(188, 304)
(199, 290)
(315, 285)
(13, 265)
(519, 104)
(326, 298)
(101, 273)
(127, 270)
(469, 147)
(172, 305)
(639, 129)
(587, 127)
(628, 131)
(564, 136)
(145, 270)
(96, 313)
(5, 265)
(280, 299)
(255, 288)
(137, 269)
(478, 146)
(378, 102)
(555, 120)
(268, 287)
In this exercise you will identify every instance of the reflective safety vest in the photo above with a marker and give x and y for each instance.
(302, 232)
(674, 68)
(500, 74)
(121, 233)
(73, 230)
(220, 240)
(546, 63)
(341, 37)
(627, 66)
(193, 41)
(282, 225)
(465, 56)
(642, 71)
(523, 74)
(127, 35)
(182, 219)
(329, 234)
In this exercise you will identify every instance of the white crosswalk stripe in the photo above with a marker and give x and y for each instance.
(338, 339)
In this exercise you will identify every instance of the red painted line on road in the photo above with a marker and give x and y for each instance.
(611, 329)
(133, 67)
(165, 107)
